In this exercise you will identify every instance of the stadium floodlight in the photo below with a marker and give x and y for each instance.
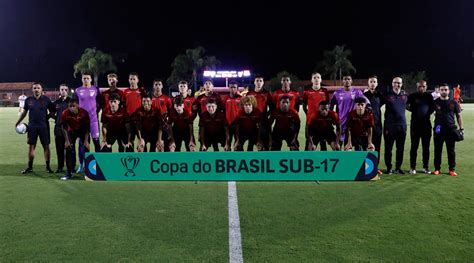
(226, 74)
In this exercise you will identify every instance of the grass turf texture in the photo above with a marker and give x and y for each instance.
(399, 218)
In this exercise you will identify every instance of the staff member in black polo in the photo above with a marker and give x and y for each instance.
(395, 124)
(374, 96)
(420, 103)
(445, 109)
(60, 104)
(37, 106)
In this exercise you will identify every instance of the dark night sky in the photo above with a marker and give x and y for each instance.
(41, 40)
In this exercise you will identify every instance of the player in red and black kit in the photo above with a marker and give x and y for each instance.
(320, 128)
(264, 100)
(213, 128)
(231, 107)
(162, 103)
(180, 123)
(112, 79)
(360, 124)
(149, 124)
(115, 126)
(188, 100)
(247, 125)
(133, 100)
(286, 91)
(75, 124)
(312, 96)
(200, 104)
(287, 126)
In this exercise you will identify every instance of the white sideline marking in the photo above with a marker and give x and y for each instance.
(235, 240)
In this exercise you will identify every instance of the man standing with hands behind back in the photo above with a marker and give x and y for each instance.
(395, 124)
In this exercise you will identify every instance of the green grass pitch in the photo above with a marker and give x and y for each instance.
(409, 218)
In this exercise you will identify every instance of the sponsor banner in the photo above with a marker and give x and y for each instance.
(232, 166)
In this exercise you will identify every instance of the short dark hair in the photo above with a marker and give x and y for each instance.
(323, 103)
(285, 97)
(211, 101)
(146, 95)
(37, 83)
(233, 82)
(178, 100)
(258, 76)
(314, 73)
(182, 82)
(443, 85)
(114, 96)
(88, 73)
(133, 74)
(347, 75)
(208, 80)
(157, 80)
(63, 85)
(360, 100)
(73, 100)
(373, 77)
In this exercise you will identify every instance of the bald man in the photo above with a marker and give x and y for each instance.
(395, 124)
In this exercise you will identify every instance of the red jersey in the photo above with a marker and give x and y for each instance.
(105, 99)
(312, 98)
(188, 104)
(115, 121)
(76, 122)
(320, 124)
(457, 94)
(179, 122)
(264, 99)
(231, 107)
(249, 123)
(286, 123)
(201, 101)
(133, 99)
(214, 126)
(148, 121)
(359, 125)
(162, 103)
(294, 97)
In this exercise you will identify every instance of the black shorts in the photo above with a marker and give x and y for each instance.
(74, 135)
(328, 136)
(116, 137)
(211, 140)
(42, 132)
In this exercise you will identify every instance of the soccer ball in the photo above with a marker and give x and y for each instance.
(21, 128)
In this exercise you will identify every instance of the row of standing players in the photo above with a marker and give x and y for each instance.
(166, 124)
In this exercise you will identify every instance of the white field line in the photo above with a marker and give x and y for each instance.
(235, 239)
